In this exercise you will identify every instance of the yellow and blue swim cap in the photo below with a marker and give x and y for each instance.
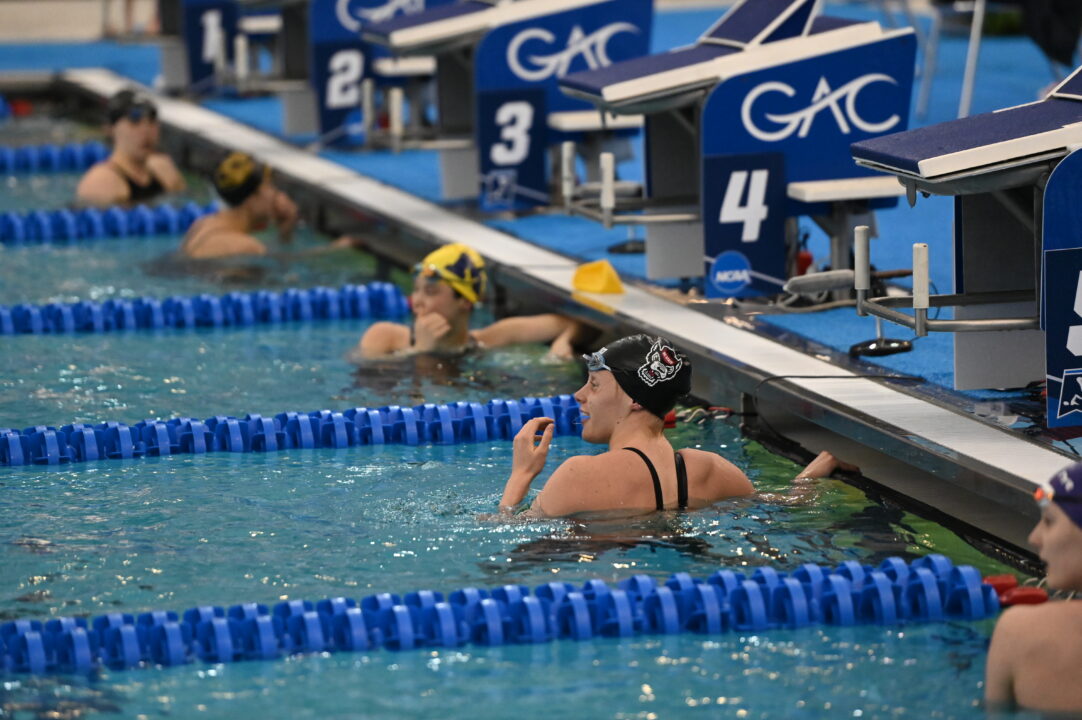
(238, 176)
(458, 265)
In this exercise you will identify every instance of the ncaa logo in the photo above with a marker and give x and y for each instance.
(593, 48)
(731, 272)
(841, 105)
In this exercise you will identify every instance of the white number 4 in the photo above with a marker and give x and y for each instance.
(343, 86)
(755, 211)
(516, 120)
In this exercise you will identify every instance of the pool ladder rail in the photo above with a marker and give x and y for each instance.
(930, 589)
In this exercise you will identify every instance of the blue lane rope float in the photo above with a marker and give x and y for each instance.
(930, 589)
(391, 425)
(71, 157)
(236, 309)
(68, 227)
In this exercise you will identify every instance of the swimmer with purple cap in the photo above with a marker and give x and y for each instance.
(633, 383)
(1036, 651)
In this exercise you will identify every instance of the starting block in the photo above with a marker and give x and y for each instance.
(497, 68)
(746, 130)
(1015, 176)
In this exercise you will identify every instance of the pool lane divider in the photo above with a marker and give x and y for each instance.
(445, 424)
(50, 157)
(896, 593)
(66, 227)
(378, 300)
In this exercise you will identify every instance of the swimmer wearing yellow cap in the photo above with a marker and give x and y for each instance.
(252, 203)
(447, 285)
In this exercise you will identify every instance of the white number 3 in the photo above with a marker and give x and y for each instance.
(516, 120)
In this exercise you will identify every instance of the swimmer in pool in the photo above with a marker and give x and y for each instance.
(449, 283)
(252, 203)
(135, 172)
(632, 384)
(1036, 650)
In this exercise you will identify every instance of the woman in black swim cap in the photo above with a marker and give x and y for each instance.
(632, 384)
(136, 171)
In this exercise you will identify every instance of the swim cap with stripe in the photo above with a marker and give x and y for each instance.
(458, 265)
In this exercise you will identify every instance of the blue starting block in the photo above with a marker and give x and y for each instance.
(497, 69)
(196, 42)
(1015, 180)
(338, 73)
(746, 130)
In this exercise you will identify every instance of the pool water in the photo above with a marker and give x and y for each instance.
(175, 532)
(134, 536)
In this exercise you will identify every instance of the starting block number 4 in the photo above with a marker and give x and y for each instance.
(754, 212)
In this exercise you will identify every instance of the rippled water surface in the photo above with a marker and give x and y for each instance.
(171, 533)
(177, 532)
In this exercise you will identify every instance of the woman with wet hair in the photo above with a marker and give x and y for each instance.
(135, 172)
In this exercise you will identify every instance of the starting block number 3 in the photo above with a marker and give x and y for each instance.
(515, 120)
(754, 212)
(344, 84)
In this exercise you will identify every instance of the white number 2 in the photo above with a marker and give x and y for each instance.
(344, 84)
(516, 119)
(755, 211)
(213, 40)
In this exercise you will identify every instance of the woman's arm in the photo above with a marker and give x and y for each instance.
(999, 672)
(527, 462)
(526, 329)
(163, 168)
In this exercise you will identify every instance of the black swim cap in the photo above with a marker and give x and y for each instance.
(649, 369)
(128, 103)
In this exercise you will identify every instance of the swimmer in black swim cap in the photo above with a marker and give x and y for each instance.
(136, 171)
(632, 385)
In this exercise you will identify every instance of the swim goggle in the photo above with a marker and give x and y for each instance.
(1043, 496)
(596, 362)
(137, 113)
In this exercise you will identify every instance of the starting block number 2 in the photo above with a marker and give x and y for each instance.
(752, 213)
(344, 82)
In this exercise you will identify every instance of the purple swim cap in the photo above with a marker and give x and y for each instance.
(1065, 490)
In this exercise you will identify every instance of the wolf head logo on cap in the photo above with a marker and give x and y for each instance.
(662, 364)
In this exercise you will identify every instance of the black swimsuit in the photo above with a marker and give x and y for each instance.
(140, 193)
(681, 480)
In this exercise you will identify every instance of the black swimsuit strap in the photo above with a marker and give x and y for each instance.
(681, 482)
(659, 499)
